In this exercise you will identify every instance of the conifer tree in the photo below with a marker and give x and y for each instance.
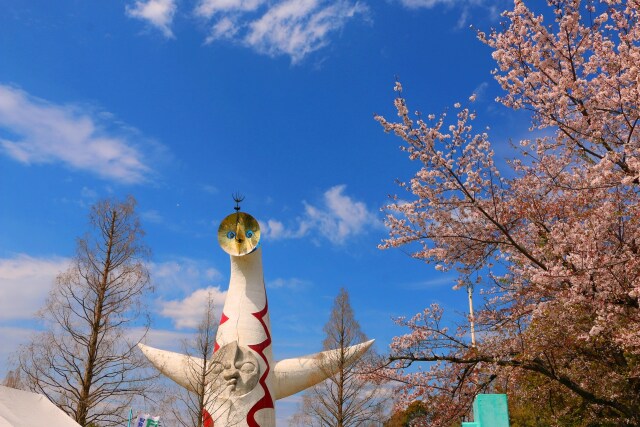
(346, 399)
(84, 361)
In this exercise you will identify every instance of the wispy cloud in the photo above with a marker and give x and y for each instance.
(26, 282)
(210, 189)
(299, 27)
(481, 90)
(276, 230)
(415, 4)
(341, 216)
(157, 13)
(37, 132)
(290, 283)
(429, 284)
(182, 275)
(294, 28)
(187, 313)
(337, 218)
(466, 8)
(88, 194)
(152, 216)
(208, 8)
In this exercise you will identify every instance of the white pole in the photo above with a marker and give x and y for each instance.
(471, 320)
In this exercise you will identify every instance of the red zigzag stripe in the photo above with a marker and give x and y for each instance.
(266, 401)
(223, 319)
(207, 421)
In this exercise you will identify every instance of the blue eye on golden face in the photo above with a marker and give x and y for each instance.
(239, 234)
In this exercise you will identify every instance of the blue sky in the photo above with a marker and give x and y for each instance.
(182, 103)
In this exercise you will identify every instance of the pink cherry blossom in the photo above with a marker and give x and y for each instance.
(557, 242)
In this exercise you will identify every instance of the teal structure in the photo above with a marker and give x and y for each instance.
(489, 410)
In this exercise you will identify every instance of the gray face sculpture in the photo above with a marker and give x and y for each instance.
(235, 370)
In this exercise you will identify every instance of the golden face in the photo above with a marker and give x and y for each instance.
(239, 234)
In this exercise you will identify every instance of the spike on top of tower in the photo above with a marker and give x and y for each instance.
(239, 232)
(238, 198)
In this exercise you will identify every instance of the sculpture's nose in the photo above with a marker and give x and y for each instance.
(230, 373)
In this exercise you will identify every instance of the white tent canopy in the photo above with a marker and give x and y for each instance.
(20, 408)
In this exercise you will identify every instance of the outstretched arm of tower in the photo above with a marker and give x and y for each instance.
(179, 367)
(297, 374)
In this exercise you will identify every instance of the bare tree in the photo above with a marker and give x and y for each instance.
(84, 361)
(188, 406)
(345, 399)
(13, 379)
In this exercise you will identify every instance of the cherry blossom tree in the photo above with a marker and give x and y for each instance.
(553, 240)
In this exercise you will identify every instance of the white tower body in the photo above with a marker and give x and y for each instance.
(244, 382)
(245, 321)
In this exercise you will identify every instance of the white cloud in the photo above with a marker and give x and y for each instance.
(429, 284)
(186, 276)
(210, 189)
(225, 28)
(26, 282)
(341, 217)
(272, 228)
(88, 193)
(415, 4)
(276, 230)
(480, 90)
(208, 8)
(299, 27)
(152, 216)
(293, 28)
(291, 283)
(338, 218)
(158, 13)
(182, 275)
(466, 8)
(188, 312)
(48, 133)
(283, 27)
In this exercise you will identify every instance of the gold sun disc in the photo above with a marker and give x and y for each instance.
(239, 234)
